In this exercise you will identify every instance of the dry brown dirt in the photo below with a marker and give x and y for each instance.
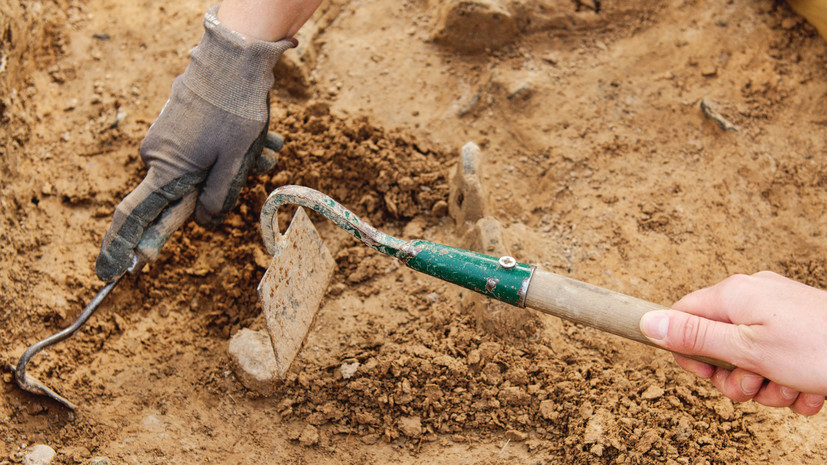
(599, 164)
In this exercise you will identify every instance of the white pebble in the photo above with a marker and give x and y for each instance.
(39, 454)
(349, 369)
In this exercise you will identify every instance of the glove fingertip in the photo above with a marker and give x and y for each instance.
(107, 268)
(274, 141)
(205, 219)
(266, 161)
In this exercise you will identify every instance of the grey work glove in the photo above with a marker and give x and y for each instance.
(208, 136)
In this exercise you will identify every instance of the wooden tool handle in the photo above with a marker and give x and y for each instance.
(157, 234)
(594, 306)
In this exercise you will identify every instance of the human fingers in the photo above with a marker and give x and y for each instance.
(697, 368)
(775, 395)
(808, 404)
(739, 385)
(689, 334)
(732, 300)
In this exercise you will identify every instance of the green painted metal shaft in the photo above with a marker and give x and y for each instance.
(475, 271)
(478, 272)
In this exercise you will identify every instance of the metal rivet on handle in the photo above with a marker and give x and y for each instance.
(507, 262)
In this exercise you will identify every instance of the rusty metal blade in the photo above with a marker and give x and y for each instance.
(293, 287)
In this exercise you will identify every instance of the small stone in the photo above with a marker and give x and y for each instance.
(35, 408)
(466, 198)
(547, 409)
(492, 374)
(309, 436)
(517, 376)
(724, 408)
(406, 184)
(39, 454)
(294, 432)
(551, 58)
(440, 208)
(515, 436)
(597, 450)
(432, 392)
(337, 289)
(514, 395)
(647, 441)
(316, 418)
(349, 369)
(520, 89)
(370, 439)
(433, 297)
(596, 426)
(254, 361)
(411, 426)
(474, 357)
(98, 461)
(789, 23)
(469, 25)
(652, 392)
(488, 350)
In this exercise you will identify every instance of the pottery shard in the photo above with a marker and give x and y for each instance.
(472, 26)
(254, 361)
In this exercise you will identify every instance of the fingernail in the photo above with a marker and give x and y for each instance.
(813, 400)
(655, 325)
(788, 393)
(750, 384)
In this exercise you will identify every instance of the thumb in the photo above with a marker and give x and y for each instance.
(689, 334)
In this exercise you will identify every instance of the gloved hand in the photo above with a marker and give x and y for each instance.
(208, 136)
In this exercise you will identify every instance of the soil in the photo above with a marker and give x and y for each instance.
(599, 164)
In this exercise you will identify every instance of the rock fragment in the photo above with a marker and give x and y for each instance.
(411, 426)
(98, 461)
(514, 395)
(39, 454)
(466, 199)
(596, 427)
(309, 436)
(515, 436)
(652, 392)
(547, 409)
(472, 26)
(254, 361)
(349, 369)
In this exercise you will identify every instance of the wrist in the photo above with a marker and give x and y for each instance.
(255, 19)
(231, 71)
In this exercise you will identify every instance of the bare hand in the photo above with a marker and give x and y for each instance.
(772, 328)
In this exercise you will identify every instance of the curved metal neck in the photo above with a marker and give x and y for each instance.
(325, 206)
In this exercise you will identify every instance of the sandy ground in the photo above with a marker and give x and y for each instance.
(598, 163)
